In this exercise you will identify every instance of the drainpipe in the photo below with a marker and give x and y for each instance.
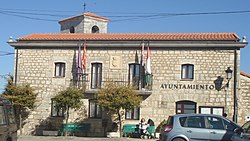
(235, 115)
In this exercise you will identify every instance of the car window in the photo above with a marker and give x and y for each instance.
(195, 122)
(215, 123)
(2, 116)
(229, 125)
(182, 121)
(246, 126)
(10, 112)
(170, 121)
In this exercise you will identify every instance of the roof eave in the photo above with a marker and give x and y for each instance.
(245, 74)
(87, 14)
(167, 44)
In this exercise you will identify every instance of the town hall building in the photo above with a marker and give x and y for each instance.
(188, 72)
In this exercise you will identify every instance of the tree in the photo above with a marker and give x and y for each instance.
(114, 98)
(69, 98)
(22, 97)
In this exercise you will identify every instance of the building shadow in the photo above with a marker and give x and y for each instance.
(48, 124)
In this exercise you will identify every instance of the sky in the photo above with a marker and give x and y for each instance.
(23, 17)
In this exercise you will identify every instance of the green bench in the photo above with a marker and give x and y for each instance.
(130, 130)
(73, 128)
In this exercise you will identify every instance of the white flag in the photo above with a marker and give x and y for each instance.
(148, 67)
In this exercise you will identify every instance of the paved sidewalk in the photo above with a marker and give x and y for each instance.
(70, 138)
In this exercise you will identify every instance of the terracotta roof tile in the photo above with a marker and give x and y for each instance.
(134, 36)
(245, 74)
(86, 14)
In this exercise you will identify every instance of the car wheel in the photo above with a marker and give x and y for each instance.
(178, 139)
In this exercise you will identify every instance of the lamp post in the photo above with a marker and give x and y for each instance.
(229, 77)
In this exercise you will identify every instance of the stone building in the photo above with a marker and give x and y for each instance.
(243, 97)
(187, 71)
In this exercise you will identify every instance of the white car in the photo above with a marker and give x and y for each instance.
(197, 127)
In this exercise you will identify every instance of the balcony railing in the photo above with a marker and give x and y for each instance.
(92, 82)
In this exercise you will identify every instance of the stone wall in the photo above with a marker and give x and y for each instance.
(83, 25)
(244, 99)
(36, 66)
(166, 68)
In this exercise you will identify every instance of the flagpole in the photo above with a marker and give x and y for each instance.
(142, 65)
(79, 64)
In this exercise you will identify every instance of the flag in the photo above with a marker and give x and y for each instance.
(84, 58)
(142, 54)
(79, 63)
(148, 68)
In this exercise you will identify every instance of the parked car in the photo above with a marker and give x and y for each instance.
(8, 127)
(196, 127)
(243, 133)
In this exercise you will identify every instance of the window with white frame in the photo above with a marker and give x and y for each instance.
(211, 110)
(187, 71)
(95, 110)
(133, 114)
(59, 69)
(55, 111)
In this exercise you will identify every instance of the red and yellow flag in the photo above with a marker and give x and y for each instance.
(84, 58)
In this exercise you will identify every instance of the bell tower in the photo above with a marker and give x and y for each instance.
(84, 23)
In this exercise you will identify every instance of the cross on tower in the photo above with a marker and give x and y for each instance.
(84, 7)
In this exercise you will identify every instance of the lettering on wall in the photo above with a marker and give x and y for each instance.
(188, 86)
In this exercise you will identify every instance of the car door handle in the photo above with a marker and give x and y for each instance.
(189, 131)
(213, 132)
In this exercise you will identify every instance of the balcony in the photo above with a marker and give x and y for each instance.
(92, 82)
